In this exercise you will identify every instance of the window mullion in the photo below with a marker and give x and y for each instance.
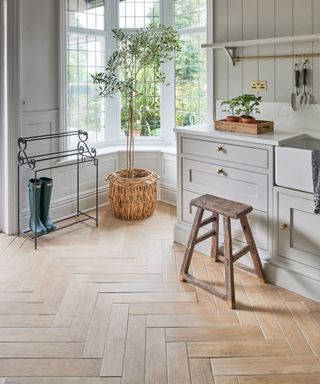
(167, 97)
(113, 106)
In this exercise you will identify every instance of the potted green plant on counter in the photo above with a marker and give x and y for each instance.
(232, 107)
(248, 105)
(133, 191)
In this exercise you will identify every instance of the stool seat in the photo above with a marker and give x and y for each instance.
(229, 210)
(223, 207)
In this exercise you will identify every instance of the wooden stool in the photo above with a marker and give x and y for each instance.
(229, 210)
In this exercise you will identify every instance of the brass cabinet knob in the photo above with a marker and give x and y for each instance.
(283, 226)
(220, 171)
(219, 149)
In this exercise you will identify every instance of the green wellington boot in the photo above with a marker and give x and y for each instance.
(35, 224)
(46, 189)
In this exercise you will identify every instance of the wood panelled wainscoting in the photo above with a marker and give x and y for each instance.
(102, 306)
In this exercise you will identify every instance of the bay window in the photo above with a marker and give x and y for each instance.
(89, 41)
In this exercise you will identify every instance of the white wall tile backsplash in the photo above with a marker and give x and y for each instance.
(305, 119)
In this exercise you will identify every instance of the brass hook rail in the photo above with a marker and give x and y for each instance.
(270, 57)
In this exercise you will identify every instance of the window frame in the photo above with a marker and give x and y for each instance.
(167, 93)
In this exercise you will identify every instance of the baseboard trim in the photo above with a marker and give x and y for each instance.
(66, 206)
(285, 277)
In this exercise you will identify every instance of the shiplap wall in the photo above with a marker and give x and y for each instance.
(254, 19)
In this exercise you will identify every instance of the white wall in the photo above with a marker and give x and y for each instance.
(39, 83)
(39, 55)
(252, 19)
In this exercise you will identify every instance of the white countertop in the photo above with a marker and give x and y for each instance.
(276, 138)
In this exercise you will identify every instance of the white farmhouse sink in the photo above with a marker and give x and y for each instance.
(293, 164)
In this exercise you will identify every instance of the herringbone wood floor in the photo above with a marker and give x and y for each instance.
(105, 306)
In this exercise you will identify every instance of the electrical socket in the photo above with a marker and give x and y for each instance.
(263, 85)
(254, 85)
(258, 85)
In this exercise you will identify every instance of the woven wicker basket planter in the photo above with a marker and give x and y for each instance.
(133, 198)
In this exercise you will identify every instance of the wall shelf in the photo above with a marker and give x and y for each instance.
(230, 47)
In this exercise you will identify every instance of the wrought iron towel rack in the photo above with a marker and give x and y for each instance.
(79, 155)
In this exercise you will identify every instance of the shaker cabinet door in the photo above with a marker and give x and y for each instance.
(298, 229)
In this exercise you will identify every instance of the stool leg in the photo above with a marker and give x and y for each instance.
(191, 243)
(228, 262)
(253, 251)
(215, 238)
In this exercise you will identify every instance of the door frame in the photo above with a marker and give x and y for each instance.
(10, 112)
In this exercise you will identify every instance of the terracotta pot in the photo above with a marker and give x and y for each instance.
(248, 120)
(232, 119)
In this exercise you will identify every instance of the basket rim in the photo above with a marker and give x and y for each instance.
(116, 174)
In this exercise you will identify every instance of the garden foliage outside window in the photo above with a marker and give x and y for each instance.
(134, 14)
(85, 43)
(191, 62)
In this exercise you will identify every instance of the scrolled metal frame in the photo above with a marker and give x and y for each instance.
(83, 147)
(82, 153)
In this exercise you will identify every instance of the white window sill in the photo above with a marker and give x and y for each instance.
(116, 149)
(166, 149)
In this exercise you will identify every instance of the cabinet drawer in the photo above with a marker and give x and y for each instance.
(234, 184)
(215, 150)
(298, 229)
(258, 221)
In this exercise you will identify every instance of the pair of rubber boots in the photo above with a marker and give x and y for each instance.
(39, 199)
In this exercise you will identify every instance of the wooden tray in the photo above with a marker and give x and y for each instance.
(255, 129)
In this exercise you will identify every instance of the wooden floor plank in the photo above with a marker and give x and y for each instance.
(25, 321)
(125, 278)
(156, 366)
(112, 361)
(191, 320)
(238, 349)
(70, 302)
(170, 308)
(95, 340)
(200, 371)
(50, 367)
(265, 317)
(134, 358)
(219, 333)
(244, 310)
(307, 325)
(41, 350)
(240, 366)
(281, 379)
(226, 380)
(82, 318)
(139, 287)
(289, 327)
(177, 362)
(36, 335)
(200, 272)
(64, 380)
(179, 297)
